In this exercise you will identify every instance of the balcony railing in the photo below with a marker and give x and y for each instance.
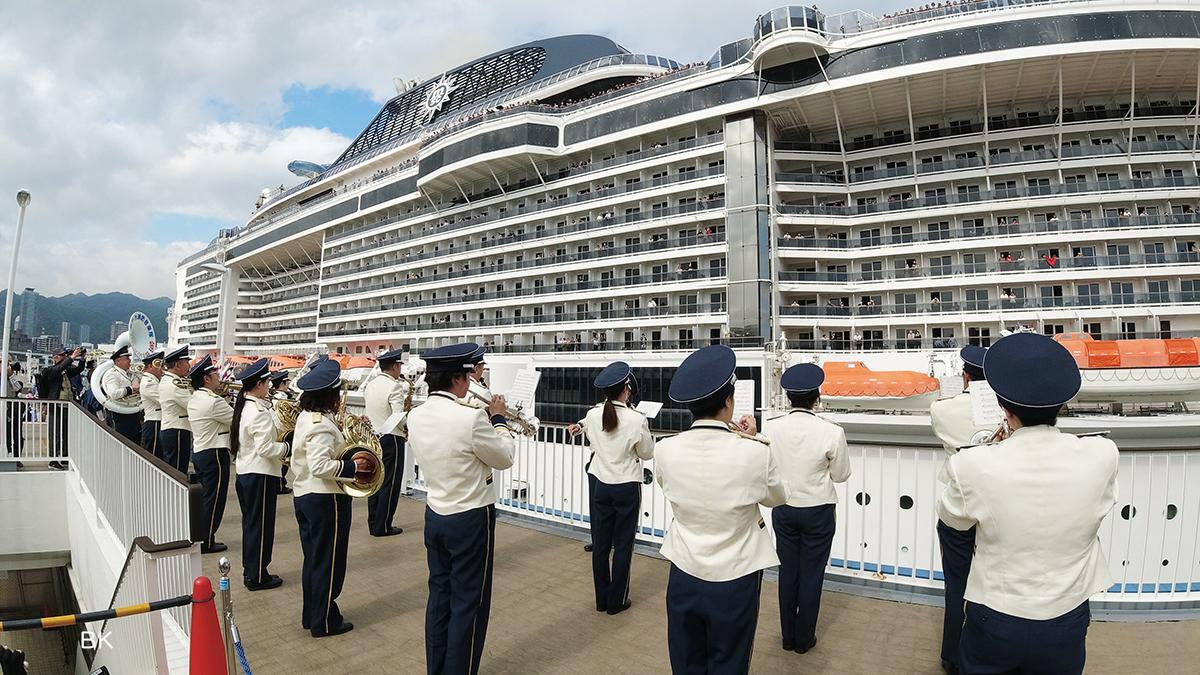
(966, 306)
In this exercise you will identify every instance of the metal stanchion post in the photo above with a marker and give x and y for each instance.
(227, 613)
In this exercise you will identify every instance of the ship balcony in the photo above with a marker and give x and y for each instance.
(193, 293)
(256, 298)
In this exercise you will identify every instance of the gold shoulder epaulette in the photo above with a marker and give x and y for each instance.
(751, 437)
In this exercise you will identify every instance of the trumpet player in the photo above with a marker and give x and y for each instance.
(620, 439)
(151, 405)
(388, 400)
(322, 508)
(715, 475)
(174, 391)
(812, 455)
(1036, 501)
(211, 417)
(119, 385)
(954, 425)
(258, 457)
(457, 448)
(280, 392)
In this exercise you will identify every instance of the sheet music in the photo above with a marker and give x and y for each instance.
(523, 388)
(649, 408)
(743, 399)
(985, 410)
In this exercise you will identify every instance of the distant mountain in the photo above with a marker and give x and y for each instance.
(97, 311)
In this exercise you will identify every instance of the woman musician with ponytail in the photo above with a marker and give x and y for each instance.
(259, 458)
(620, 439)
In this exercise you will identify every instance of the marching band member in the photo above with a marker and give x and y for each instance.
(715, 475)
(118, 384)
(812, 456)
(175, 436)
(457, 447)
(258, 457)
(151, 406)
(385, 398)
(210, 416)
(954, 424)
(280, 392)
(620, 439)
(322, 508)
(1036, 501)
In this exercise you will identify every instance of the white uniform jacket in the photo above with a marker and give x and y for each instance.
(117, 384)
(210, 416)
(151, 406)
(954, 423)
(617, 455)
(258, 452)
(384, 397)
(174, 401)
(812, 455)
(1036, 500)
(457, 447)
(317, 441)
(715, 481)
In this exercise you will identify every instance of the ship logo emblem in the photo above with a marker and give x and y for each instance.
(437, 96)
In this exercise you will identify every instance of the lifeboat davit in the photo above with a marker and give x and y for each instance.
(1129, 371)
(852, 385)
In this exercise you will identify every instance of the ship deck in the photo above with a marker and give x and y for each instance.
(543, 619)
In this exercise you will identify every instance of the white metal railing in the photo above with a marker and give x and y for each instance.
(886, 516)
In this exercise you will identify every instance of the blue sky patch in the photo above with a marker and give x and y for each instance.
(344, 111)
(168, 227)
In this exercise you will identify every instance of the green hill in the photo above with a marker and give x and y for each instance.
(96, 311)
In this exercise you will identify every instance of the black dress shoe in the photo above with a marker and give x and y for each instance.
(58, 466)
(789, 646)
(587, 547)
(949, 668)
(804, 650)
(390, 532)
(620, 609)
(344, 627)
(285, 491)
(272, 581)
(217, 547)
(601, 608)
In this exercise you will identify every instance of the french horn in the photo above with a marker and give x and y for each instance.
(358, 438)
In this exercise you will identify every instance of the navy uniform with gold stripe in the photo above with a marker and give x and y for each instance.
(210, 416)
(812, 455)
(385, 397)
(174, 391)
(258, 457)
(458, 447)
(151, 405)
(715, 475)
(322, 508)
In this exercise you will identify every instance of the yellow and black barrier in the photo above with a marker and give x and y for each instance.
(51, 622)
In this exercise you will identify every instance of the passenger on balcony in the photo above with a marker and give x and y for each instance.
(151, 405)
(620, 439)
(211, 417)
(120, 388)
(259, 457)
(388, 399)
(458, 448)
(954, 424)
(175, 437)
(715, 475)
(812, 455)
(1036, 500)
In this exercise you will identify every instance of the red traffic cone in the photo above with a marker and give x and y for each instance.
(207, 646)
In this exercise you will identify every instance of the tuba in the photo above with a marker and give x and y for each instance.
(357, 438)
(140, 340)
(522, 422)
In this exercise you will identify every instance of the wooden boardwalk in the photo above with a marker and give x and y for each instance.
(543, 618)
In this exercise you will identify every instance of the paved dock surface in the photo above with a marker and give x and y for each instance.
(544, 620)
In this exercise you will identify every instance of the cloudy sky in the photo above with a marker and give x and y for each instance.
(142, 127)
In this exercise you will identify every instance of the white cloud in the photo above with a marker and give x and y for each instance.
(115, 112)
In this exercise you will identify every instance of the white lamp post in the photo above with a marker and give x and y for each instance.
(23, 198)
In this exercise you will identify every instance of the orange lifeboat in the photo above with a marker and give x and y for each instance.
(285, 361)
(852, 384)
(1090, 353)
(1135, 371)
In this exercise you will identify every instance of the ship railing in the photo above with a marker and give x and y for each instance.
(970, 269)
(988, 305)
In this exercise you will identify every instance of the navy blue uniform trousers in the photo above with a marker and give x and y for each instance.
(176, 447)
(459, 548)
(381, 506)
(324, 521)
(256, 495)
(150, 429)
(614, 510)
(958, 547)
(129, 426)
(710, 624)
(803, 538)
(994, 642)
(212, 467)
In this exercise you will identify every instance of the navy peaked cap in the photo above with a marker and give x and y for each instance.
(972, 355)
(394, 355)
(204, 365)
(801, 378)
(613, 374)
(152, 357)
(123, 351)
(254, 371)
(324, 374)
(177, 355)
(703, 373)
(1031, 370)
(462, 356)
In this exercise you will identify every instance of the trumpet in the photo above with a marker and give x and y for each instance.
(1000, 433)
(522, 422)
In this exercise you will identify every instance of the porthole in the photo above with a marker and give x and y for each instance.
(1172, 511)
(906, 502)
(1166, 562)
(1128, 511)
(862, 498)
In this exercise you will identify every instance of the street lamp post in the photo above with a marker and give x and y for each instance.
(23, 198)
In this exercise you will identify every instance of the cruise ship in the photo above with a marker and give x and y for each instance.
(871, 192)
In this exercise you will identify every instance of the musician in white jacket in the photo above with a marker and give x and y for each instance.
(174, 392)
(151, 405)
(387, 397)
(120, 387)
(211, 417)
(1036, 501)
(258, 457)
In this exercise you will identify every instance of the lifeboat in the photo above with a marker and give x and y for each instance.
(852, 385)
(285, 362)
(1135, 371)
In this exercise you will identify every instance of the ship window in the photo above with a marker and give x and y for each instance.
(980, 337)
